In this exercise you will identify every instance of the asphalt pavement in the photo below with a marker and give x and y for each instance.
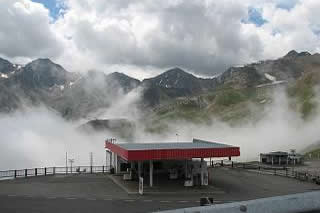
(98, 193)
(30, 204)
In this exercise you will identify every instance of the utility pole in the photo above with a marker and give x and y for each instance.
(91, 162)
(66, 162)
(71, 162)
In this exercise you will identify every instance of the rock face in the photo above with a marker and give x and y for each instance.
(6, 67)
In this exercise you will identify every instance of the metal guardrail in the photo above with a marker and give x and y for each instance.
(44, 171)
(279, 171)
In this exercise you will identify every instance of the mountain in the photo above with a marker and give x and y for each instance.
(43, 73)
(240, 94)
(6, 67)
(172, 84)
(91, 92)
(125, 82)
(71, 94)
(77, 95)
(176, 83)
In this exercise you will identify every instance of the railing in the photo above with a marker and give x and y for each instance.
(44, 171)
(284, 171)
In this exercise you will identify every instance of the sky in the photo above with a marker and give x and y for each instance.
(142, 38)
(55, 7)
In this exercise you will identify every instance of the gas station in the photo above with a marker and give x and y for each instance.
(178, 160)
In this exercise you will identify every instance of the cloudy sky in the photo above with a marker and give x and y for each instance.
(144, 37)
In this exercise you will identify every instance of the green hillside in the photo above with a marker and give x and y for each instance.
(230, 105)
(303, 92)
(314, 154)
(235, 106)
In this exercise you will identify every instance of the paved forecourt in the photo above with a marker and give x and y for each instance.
(98, 193)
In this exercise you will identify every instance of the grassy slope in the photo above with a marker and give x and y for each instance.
(303, 94)
(235, 106)
(314, 153)
(226, 104)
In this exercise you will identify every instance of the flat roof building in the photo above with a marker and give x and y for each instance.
(181, 153)
(281, 158)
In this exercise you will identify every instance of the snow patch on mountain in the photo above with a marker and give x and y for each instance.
(270, 77)
(4, 75)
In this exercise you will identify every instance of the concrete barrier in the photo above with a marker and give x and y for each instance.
(295, 203)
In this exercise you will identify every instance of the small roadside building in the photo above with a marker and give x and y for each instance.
(176, 160)
(281, 158)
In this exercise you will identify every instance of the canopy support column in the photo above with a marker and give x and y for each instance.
(279, 160)
(139, 168)
(186, 170)
(116, 163)
(151, 173)
(202, 182)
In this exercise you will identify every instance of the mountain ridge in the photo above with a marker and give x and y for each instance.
(75, 95)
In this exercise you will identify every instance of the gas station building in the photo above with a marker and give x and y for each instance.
(183, 160)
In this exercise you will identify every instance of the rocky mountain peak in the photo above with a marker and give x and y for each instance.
(43, 73)
(305, 53)
(44, 64)
(176, 70)
(291, 54)
(126, 82)
(6, 66)
(294, 54)
(173, 78)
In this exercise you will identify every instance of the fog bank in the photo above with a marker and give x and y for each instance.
(38, 137)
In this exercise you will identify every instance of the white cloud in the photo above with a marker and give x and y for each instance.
(202, 36)
(25, 30)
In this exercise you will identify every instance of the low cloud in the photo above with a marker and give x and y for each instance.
(39, 137)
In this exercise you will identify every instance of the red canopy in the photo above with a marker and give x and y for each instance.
(171, 151)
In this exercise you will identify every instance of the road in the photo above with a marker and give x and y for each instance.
(97, 193)
(28, 204)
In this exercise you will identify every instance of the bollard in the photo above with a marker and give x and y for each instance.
(90, 169)
(35, 172)
(54, 170)
(25, 173)
(45, 171)
(15, 173)
(102, 169)
(232, 164)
